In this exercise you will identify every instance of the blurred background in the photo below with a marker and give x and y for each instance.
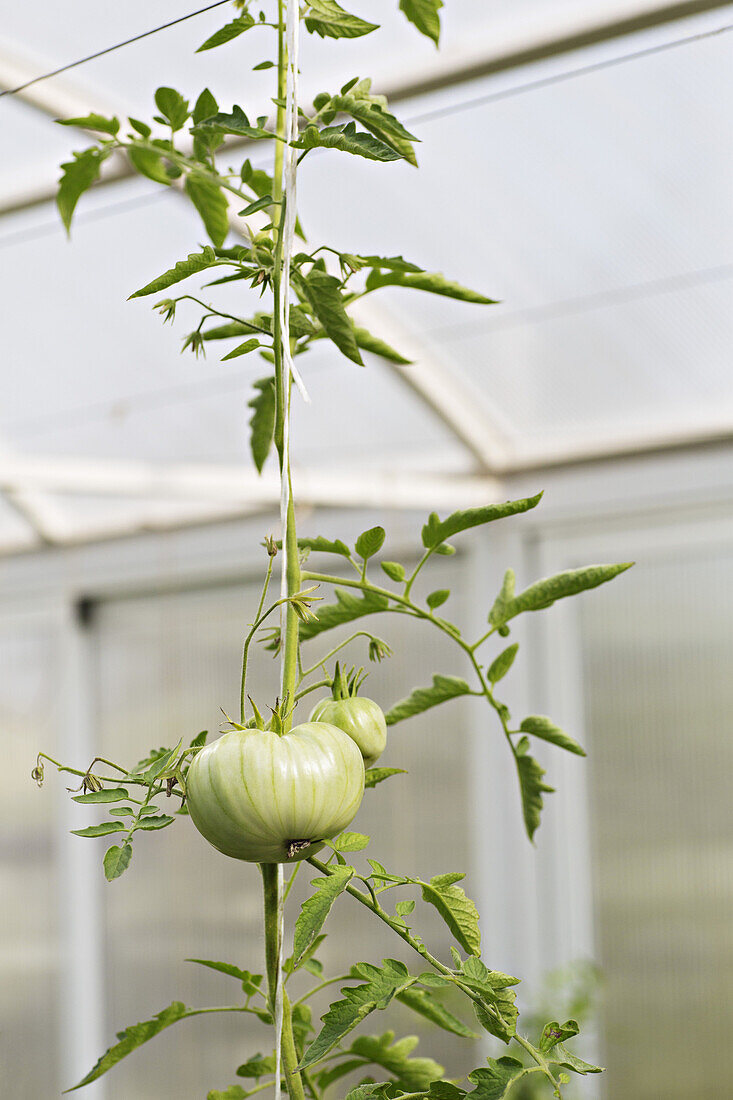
(576, 164)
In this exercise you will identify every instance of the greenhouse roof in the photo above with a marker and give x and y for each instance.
(575, 165)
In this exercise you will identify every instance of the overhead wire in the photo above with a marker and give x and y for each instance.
(110, 49)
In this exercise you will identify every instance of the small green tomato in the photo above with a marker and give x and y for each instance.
(266, 798)
(362, 719)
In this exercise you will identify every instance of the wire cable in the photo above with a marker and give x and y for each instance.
(111, 49)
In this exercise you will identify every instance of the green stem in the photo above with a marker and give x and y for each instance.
(313, 687)
(248, 640)
(272, 951)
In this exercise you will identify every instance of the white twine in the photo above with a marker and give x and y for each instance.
(291, 371)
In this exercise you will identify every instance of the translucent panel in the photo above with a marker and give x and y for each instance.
(572, 205)
(166, 665)
(30, 955)
(660, 696)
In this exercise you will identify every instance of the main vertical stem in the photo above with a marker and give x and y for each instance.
(272, 949)
(271, 879)
(283, 385)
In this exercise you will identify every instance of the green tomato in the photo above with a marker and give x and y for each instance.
(362, 719)
(267, 798)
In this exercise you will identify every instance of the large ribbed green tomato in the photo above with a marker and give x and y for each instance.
(362, 719)
(267, 798)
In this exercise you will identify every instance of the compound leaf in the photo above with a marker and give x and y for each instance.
(442, 689)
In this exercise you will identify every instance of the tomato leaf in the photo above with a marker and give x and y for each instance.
(561, 1056)
(77, 176)
(133, 1037)
(93, 122)
(250, 982)
(195, 262)
(173, 107)
(394, 570)
(413, 1074)
(554, 1033)
(539, 725)
(257, 1067)
(457, 910)
(531, 786)
(492, 1083)
(349, 842)
(108, 794)
(382, 985)
(328, 20)
(443, 688)
(117, 860)
(100, 830)
(347, 139)
(228, 32)
(208, 198)
(437, 598)
(324, 293)
(501, 664)
(262, 421)
(319, 545)
(158, 822)
(436, 530)
(316, 908)
(368, 342)
(148, 163)
(372, 776)
(241, 349)
(425, 1004)
(432, 282)
(235, 123)
(347, 608)
(424, 15)
(369, 542)
(543, 593)
(373, 115)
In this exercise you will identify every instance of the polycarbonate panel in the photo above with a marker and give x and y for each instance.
(572, 204)
(657, 655)
(165, 666)
(30, 949)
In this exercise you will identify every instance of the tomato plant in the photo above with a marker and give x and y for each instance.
(284, 793)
